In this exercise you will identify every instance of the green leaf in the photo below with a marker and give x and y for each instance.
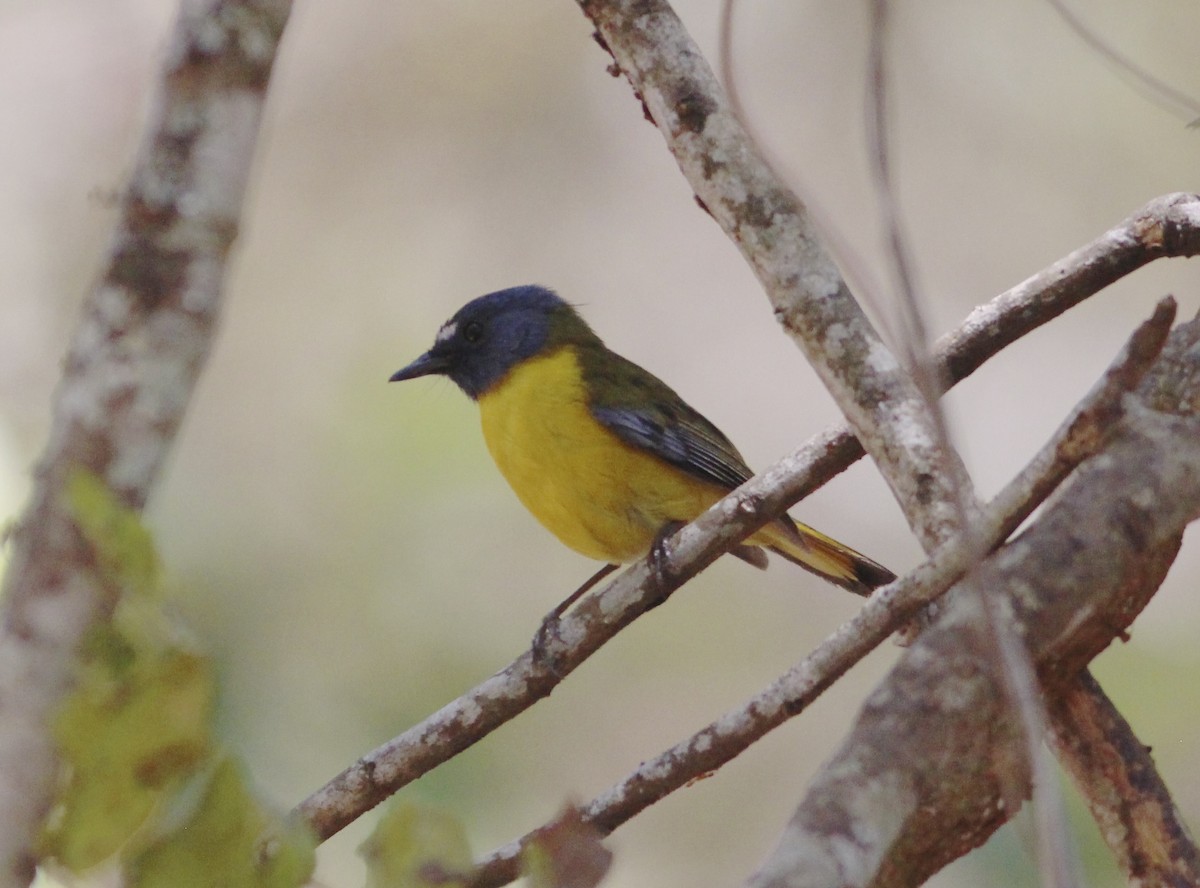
(137, 720)
(134, 723)
(124, 547)
(415, 847)
(219, 834)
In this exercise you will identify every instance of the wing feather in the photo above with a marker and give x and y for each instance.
(642, 410)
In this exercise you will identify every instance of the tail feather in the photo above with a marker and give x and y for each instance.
(824, 556)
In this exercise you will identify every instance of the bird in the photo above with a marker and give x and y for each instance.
(601, 451)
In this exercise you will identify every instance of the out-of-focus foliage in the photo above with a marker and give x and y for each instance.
(566, 853)
(217, 833)
(414, 846)
(139, 768)
(138, 717)
(123, 547)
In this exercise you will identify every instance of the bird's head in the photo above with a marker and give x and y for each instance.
(490, 335)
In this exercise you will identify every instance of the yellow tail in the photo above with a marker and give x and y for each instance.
(825, 557)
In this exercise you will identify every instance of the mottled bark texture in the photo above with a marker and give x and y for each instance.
(936, 762)
(779, 239)
(1123, 790)
(145, 332)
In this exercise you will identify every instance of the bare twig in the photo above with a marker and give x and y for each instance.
(1168, 226)
(1054, 857)
(140, 345)
(581, 632)
(913, 336)
(1081, 436)
(725, 62)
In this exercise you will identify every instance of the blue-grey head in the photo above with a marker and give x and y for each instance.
(490, 335)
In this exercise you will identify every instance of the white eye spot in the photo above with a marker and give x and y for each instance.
(447, 332)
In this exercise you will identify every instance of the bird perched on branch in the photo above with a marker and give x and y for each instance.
(603, 453)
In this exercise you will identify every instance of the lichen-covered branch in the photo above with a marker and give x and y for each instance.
(778, 238)
(145, 331)
(935, 762)
(1168, 226)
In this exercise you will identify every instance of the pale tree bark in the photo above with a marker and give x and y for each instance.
(145, 331)
(936, 762)
(779, 239)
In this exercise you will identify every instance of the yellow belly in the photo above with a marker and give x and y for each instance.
(600, 496)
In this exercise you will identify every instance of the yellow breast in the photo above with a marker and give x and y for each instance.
(600, 496)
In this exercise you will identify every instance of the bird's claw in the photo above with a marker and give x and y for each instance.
(660, 561)
(546, 635)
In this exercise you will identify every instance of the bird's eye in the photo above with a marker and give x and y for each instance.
(473, 332)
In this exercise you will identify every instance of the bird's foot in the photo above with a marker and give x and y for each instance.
(660, 562)
(548, 633)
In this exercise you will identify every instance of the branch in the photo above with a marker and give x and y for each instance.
(139, 348)
(930, 768)
(1127, 797)
(1111, 768)
(777, 237)
(658, 71)
(681, 83)
(580, 633)
(1166, 227)
(1081, 436)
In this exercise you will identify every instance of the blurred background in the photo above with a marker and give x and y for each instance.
(346, 547)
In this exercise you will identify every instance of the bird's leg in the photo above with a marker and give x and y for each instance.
(659, 555)
(549, 625)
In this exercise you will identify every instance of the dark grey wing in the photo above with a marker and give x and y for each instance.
(642, 410)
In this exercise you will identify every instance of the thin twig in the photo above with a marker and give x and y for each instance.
(1159, 91)
(1054, 858)
(1082, 435)
(1168, 226)
(725, 64)
(914, 337)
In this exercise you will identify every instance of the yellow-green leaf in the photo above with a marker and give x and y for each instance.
(137, 720)
(134, 723)
(124, 547)
(415, 847)
(219, 834)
